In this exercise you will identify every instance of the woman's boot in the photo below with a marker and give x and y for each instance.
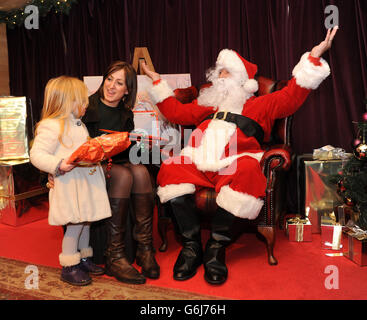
(143, 212)
(117, 264)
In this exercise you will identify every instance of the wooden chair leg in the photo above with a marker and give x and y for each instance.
(269, 235)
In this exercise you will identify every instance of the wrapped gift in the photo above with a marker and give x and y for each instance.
(22, 198)
(100, 148)
(355, 244)
(331, 236)
(298, 229)
(13, 128)
(346, 213)
(318, 197)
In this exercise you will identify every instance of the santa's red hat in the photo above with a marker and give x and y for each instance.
(235, 64)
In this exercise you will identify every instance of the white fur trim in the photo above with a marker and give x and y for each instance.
(160, 92)
(86, 252)
(308, 75)
(231, 61)
(214, 165)
(208, 156)
(68, 260)
(171, 191)
(251, 86)
(240, 204)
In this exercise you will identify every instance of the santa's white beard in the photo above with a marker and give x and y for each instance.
(226, 94)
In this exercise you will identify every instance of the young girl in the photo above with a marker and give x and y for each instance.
(79, 195)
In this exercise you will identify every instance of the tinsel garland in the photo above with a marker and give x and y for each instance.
(16, 17)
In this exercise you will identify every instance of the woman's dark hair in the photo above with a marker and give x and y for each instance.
(131, 81)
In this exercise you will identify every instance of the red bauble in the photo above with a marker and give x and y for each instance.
(364, 117)
(341, 188)
(349, 202)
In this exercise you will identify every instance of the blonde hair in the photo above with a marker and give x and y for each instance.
(64, 96)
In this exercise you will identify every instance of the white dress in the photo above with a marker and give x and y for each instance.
(79, 195)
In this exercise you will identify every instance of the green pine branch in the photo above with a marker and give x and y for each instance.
(16, 17)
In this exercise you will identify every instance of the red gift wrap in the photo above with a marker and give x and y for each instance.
(100, 148)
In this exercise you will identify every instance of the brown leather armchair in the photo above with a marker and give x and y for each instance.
(275, 163)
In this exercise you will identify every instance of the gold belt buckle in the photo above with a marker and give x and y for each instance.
(224, 115)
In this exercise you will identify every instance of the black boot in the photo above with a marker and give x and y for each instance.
(143, 212)
(117, 264)
(188, 226)
(221, 236)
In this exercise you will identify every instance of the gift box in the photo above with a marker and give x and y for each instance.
(346, 213)
(331, 236)
(317, 196)
(355, 245)
(14, 128)
(22, 198)
(298, 229)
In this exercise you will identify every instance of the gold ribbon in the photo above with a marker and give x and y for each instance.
(337, 236)
(299, 226)
(299, 232)
(297, 220)
(104, 152)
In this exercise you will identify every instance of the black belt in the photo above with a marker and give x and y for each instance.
(248, 126)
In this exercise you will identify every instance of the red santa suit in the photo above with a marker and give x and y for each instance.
(219, 154)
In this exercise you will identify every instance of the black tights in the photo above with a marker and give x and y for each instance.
(127, 178)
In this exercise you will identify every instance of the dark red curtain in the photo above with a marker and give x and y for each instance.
(328, 114)
(186, 36)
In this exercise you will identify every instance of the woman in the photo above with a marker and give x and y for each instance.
(110, 108)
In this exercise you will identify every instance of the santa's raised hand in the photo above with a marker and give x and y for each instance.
(151, 74)
(325, 45)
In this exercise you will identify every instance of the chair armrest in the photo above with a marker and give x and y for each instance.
(276, 157)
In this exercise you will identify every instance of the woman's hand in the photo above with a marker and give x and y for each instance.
(325, 45)
(51, 181)
(151, 74)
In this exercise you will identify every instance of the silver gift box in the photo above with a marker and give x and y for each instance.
(321, 197)
(22, 198)
(15, 126)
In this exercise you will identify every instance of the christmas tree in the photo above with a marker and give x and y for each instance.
(16, 17)
(352, 179)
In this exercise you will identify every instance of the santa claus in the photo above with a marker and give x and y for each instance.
(224, 151)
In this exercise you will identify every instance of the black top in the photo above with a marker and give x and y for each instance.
(109, 117)
(99, 116)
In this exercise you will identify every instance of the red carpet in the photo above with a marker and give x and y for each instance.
(300, 274)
